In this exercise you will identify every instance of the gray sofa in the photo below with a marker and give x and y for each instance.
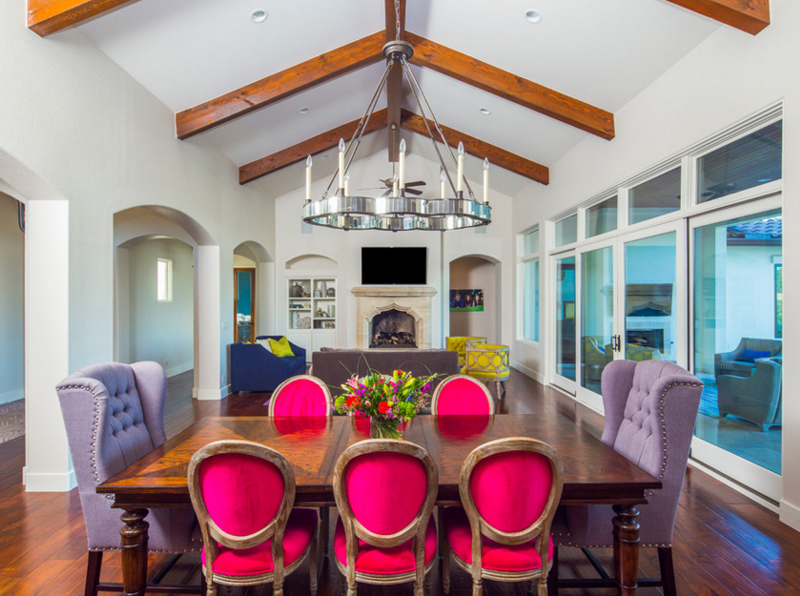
(335, 366)
(740, 361)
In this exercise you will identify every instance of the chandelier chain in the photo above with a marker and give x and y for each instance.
(397, 19)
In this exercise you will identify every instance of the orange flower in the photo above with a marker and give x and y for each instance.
(353, 401)
(384, 407)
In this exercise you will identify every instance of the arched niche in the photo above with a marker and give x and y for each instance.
(476, 272)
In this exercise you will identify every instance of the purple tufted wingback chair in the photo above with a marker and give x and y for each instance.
(650, 411)
(114, 415)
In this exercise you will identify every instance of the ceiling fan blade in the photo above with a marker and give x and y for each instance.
(411, 191)
(416, 183)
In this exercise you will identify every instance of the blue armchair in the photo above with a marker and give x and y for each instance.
(254, 368)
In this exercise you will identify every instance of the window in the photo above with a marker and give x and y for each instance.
(567, 230)
(747, 162)
(530, 285)
(601, 218)
(658, 196)
(164, 280)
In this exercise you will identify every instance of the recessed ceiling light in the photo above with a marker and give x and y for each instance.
(304, 110)
(533, 16)
(485, 111)
(259, 15)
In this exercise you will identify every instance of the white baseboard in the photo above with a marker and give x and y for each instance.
(790, 514)
(10, 396)
(208, 394)
(48, 483)
(181, 368)
(528, 372)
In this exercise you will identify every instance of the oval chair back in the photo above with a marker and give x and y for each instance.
(462, 395)
(375, 515)
(302, 395)
(488, 361)
(510, 489)
(243, 493)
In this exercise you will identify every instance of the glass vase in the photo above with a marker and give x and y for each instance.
(384, 429)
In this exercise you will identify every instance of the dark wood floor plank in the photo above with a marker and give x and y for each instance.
(725, 544)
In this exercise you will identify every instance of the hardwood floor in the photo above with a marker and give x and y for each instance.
(725, 544)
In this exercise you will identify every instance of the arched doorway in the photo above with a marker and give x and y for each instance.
(253, 285)
(141, 234)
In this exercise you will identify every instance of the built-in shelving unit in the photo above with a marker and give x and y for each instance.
(311, 312)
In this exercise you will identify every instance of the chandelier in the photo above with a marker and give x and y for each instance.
(397, 211)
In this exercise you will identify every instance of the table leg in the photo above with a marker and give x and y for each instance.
(134, 551)
(626, 548)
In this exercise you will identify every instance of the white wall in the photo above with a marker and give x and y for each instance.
(728, 77)
(162, 331)
(74, 126)
(12, 247)
(469, 273)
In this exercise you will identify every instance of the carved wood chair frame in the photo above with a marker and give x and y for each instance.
(213, 534)
(415, 530)
(451, 378)
(276, 394)
(539, 530)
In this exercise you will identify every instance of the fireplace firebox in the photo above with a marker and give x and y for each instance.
(393, 329)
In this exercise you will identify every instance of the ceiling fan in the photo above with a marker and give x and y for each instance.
(389, 182)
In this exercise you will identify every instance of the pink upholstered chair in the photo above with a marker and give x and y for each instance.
(302, 395)
(242, 493)
(385, 534)
(510, 489)
(462, 395)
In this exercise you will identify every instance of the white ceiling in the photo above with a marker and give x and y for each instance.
(187, 52)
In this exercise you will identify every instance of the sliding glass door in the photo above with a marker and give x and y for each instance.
(737, 263)
(597, 330)
(565, 318)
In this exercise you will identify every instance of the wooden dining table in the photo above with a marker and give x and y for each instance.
(593, 472)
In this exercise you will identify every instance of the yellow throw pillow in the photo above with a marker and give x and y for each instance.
(281, 348)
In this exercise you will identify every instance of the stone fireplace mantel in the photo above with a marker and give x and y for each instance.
(373, 300)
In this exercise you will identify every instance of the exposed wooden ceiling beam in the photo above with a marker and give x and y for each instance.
(750, 16)
(312, 146)
(280, 85)
(394, 84)
(500, 157)
(511, 87)
(48, 16)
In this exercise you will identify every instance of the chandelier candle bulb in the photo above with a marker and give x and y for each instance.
(485, 179)
(442, 180)
(460, 184)
(402, 164)
(347, 184)
(309, 161)
(341, 163)
(395, 188)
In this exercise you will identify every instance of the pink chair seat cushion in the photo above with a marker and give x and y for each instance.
(258, 560)
(302, 397)
(462, 397)
(496, 556)
(384, 561)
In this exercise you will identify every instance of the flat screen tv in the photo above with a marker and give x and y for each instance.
(385, 266)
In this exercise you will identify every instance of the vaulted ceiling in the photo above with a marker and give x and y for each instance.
(269, 93)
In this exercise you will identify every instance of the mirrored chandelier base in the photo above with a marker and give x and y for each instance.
(396, 213)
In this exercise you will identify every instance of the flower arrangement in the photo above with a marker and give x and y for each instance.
(385, 400)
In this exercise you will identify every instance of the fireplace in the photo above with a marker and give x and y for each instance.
(412, 302)
(647, 338)
(392, 329)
